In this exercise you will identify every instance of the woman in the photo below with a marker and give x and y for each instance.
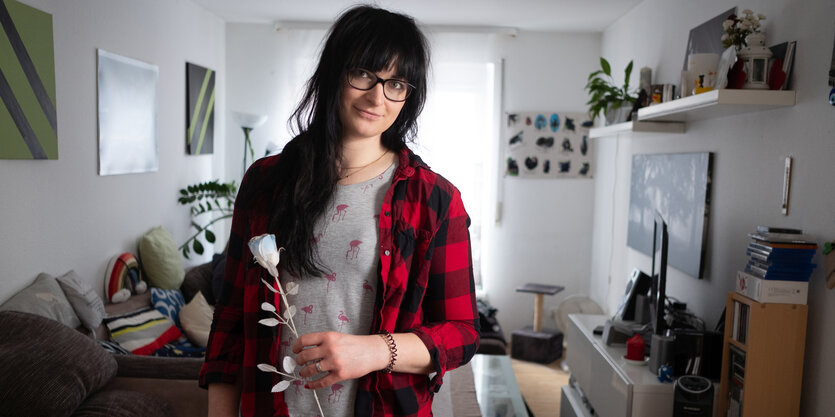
(376, 241)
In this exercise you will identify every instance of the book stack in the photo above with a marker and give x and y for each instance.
(779, 266)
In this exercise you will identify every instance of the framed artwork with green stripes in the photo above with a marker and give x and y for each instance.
(28, 121)
(127, 115)
(200, 109)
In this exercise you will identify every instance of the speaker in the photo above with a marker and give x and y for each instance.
(693, 397)
(661, 352)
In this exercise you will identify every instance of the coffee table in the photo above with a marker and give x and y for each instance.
(495, 387)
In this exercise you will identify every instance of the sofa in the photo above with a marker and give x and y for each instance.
(55, 362)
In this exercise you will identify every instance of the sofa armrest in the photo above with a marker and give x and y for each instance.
(158, 367)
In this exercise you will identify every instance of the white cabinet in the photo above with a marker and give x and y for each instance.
(611, 386)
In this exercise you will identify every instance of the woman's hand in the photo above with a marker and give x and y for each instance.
(341, 356)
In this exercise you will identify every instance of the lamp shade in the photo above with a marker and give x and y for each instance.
(249, 120)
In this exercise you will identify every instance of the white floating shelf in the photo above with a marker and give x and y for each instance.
(639, 126)
(717, 103)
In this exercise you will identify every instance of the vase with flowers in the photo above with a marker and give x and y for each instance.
(744, 35)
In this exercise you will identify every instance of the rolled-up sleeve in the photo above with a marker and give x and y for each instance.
(451, 329)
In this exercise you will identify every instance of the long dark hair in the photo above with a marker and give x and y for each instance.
(363, 36)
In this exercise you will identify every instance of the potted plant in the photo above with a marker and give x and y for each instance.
(215, 198)
(606, 98)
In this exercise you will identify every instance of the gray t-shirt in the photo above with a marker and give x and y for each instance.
(343, 299)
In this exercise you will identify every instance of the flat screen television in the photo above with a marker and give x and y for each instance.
(658, 287)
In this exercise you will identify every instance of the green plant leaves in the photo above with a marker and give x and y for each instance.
(603, 93)
(200, 198)
(607, 69)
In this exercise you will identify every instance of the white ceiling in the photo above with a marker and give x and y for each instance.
(538, 15)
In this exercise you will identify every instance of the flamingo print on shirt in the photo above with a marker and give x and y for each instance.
(353, 249)
(336, 393)
(339, 215)
(342, 319)
(366, 287)
(331, 278)
(307, 310)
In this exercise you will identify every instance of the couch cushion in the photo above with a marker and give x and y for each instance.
(142, 332)
(47, 368)
(44, 298)
(198, 279)
(119, 403)
(168, 302)
(161, 259)
(84, 300)
(196, 318)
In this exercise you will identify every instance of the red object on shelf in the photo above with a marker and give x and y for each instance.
(776, 77)
(635, 348)
(736, 76)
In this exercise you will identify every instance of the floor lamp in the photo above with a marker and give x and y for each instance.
(247, 122)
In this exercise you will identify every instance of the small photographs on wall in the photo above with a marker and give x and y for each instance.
(547, 145)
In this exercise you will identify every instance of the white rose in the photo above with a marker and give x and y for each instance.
(264, 250)
(761, 16)
(747, 12)
(727, 24)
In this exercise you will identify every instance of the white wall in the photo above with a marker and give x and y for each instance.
(749, 151)
(60, 215)
(545, 234)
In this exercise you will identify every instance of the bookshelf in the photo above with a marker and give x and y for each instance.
(762, 364)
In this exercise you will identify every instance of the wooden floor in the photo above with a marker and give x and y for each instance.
(540, 385)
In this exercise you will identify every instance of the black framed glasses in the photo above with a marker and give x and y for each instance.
(394, 89)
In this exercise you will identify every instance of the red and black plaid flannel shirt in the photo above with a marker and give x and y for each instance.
(426, 287)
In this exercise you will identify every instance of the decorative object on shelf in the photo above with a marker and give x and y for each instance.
(780, 65)
(212, 198)
(248, 121)
(29, 107)
(547, 145)
(737, 29)
(736, 76)
(701, 71)
(606, 98)
(200, 109)
(726, 60)
(755, 56)
(703, 39)
(127, 110)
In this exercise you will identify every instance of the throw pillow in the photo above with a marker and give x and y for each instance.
(198, 279)
(142, 332)
(196, 319)
(161, 259)
(86, 303)
(47, 368)
(168, 302)
(123, 277)
(44, 298)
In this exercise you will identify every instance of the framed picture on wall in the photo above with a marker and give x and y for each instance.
(547, 145)
(28, 118)
(127, 115)
(678, 187)
(200, 109)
